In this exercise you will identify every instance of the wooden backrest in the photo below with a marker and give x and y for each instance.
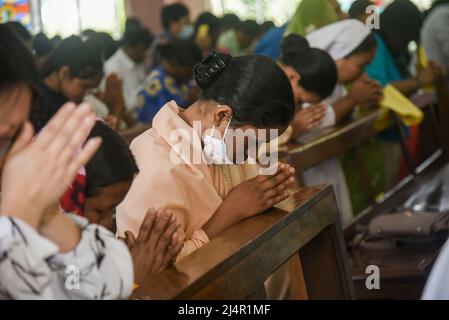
(331, 142)
(236, 264)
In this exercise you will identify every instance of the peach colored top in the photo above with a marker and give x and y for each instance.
(167, 178)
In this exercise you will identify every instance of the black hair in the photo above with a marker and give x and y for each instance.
(316, 67)
(112, 163)
(133, 22)
(56, 40)
(249, 27)
(368, 44)
(254, 86)
(17, 64)
(211, 20)
(266, 26)
(181, 52)
(229, 21)
(83, 60)
(173, 13)
(88, 33)
(400, 24)
(42, 46)
(137, 36)
(20, 30)
(104, 43)
(358, 8)
(403, 19)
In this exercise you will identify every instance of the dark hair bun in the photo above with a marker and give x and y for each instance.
(294, 45)
(207, 70)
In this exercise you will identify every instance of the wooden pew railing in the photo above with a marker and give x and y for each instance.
(331, 142)
(404, 270)
(236, 264)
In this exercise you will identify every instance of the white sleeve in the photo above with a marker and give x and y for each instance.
(437, 286)
(100, 267)
(24, 272)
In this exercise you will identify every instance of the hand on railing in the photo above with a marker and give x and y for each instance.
(366, 91)
(261, 193)
(307, 119)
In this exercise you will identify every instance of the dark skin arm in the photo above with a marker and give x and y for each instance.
(157, 245)
(251, 198)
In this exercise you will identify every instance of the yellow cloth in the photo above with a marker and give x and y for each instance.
(395, 101)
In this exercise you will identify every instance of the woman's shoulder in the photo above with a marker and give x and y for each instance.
(151, 151)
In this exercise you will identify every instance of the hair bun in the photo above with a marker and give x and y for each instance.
(294, 44)
(207, 70)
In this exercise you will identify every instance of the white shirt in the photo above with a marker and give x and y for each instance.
(132, 74)
(435, 35)
(437, 286)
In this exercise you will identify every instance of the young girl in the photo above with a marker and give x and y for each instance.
(109, 175)
(352, 46)
(249, 93)
(207, 31)
(313, 76)
(38, 244)
(169, 81)
(72, 70)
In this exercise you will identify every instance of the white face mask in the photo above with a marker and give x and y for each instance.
(215, 150)
(186, 32)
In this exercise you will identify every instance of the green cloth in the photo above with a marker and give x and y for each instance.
(228, 43)
(371, 152)
(312, 15)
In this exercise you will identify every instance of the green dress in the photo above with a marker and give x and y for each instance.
(312, 15)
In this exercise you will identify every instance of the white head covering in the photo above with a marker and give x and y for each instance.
(339, 39)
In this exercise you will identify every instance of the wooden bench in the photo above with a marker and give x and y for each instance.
(236, 264)
(405, 269)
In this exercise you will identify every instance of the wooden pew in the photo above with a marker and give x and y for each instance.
(331, 142)
(405, 270)
(236, 264)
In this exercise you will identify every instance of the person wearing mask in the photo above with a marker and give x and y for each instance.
(192, 177)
